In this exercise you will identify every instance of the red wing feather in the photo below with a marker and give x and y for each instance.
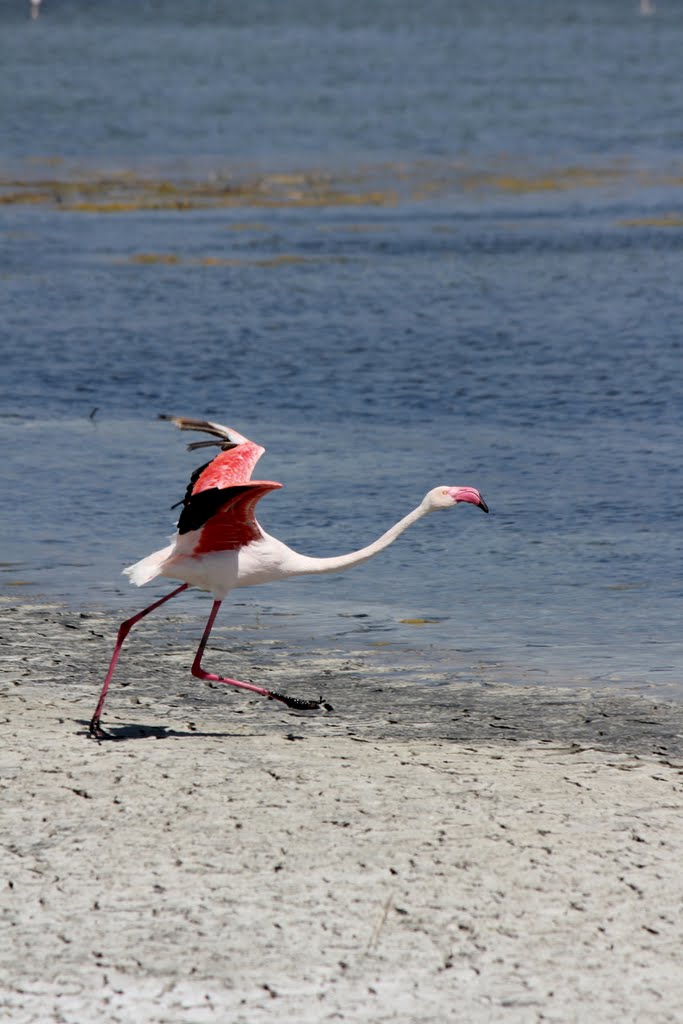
(234, 524)
(230, 468)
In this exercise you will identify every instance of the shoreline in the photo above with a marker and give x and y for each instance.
(47, 643)
(461, 852)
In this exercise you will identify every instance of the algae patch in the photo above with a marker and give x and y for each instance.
(128, 192)
(664, 220)
(173, 259)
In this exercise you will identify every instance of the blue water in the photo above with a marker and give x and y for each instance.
(503, 310)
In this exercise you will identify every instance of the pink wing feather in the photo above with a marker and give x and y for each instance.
(224, 518)
(230, 468)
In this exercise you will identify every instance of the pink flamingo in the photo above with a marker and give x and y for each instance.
(220, 546)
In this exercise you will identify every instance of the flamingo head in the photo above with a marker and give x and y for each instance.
(447, 497)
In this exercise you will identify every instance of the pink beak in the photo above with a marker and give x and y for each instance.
(470, 494)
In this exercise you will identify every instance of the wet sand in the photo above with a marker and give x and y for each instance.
(422, 853)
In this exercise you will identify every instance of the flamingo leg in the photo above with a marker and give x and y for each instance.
(200, 673)
(95, 728)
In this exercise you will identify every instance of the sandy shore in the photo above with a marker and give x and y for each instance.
(448, 853)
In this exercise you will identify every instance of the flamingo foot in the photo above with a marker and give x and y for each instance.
(298, 704)
(96, 731)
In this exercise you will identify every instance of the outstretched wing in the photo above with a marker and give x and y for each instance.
(224, 516)
(221, 496)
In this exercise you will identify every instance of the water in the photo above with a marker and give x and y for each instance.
(398, 245)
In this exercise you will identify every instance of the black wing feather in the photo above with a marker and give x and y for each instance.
(193, 480)
(199, 508)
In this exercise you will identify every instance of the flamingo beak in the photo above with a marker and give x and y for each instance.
(469, 494)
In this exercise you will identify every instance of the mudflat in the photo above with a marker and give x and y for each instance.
(452, 852)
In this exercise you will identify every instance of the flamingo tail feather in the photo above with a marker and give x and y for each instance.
(148, 568)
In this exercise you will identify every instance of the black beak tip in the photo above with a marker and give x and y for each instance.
(483, 506)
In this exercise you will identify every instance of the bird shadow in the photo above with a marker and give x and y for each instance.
(125, 733)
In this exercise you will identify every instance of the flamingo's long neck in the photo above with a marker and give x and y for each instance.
(337, 563)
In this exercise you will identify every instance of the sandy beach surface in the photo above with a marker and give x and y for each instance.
(460, 852)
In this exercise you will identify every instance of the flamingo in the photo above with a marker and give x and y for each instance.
(220, 546)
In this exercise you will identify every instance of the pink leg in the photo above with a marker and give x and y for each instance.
(198, 671)
(124, 629)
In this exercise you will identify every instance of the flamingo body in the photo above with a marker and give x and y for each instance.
(220, 546)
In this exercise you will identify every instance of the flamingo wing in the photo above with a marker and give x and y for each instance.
(221, 496)
(224, 516)
(229, 468)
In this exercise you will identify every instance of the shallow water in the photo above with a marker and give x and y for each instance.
(397, 248)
